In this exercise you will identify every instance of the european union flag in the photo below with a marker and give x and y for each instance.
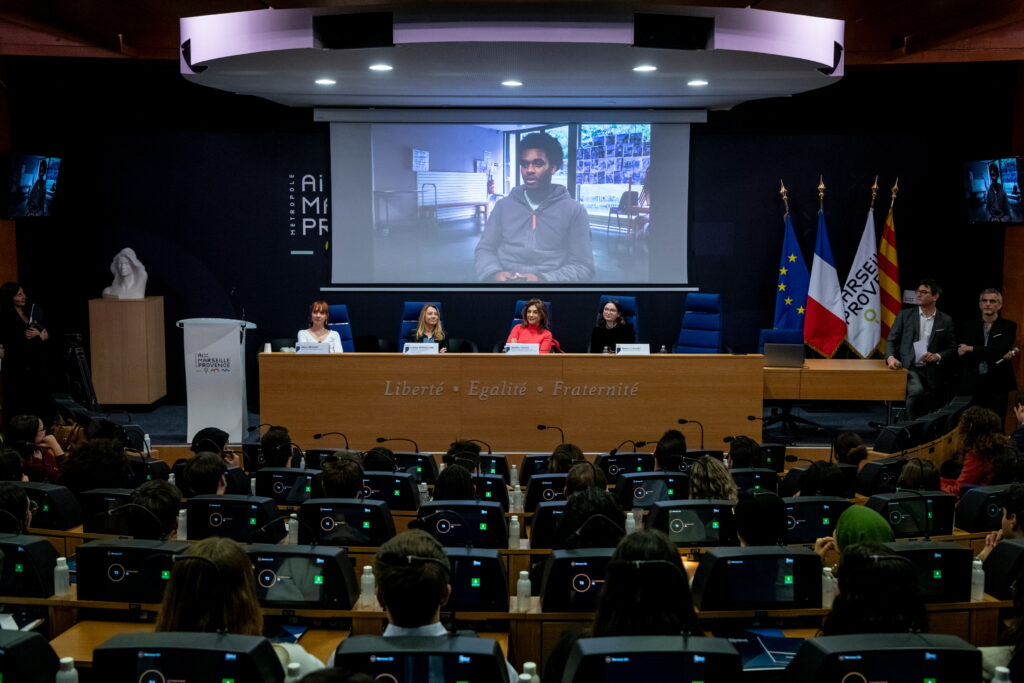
(791, 290)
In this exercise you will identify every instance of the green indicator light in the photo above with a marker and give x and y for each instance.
(487, 495)
(309, 489)
(937, 574)
(483, 526)
(252, 521)
(639, 469)
(149, 477)
(824, 520)
(366, 524)
(927, 680)
(19, 568)
(714, 525)
(46, 508)
(929, 514)
(671, 492)
(227, 680)
(757, 486)
(398, 492)
(318, 580)
(165, 574)
(493, 471)
(419, 469)
(474, 582)
(788, 579)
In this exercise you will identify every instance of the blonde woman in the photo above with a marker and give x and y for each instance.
(429, 328)
(710, 480)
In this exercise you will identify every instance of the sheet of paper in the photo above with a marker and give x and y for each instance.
(920, 348)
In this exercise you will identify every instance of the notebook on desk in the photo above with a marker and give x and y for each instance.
(783, 355)
(763, 649)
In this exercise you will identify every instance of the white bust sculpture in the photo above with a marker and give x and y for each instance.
(129, 276)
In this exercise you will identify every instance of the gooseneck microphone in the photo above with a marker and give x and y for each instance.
(616, 449)
(926, 508)
(560, 432)
(262, 424)
(323, 434)
(384, 439)
(489, 451)
(754, 418)
(684, 421)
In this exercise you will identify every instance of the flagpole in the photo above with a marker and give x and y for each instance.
(895, 189)
(874, 193)
(821, 193)
(785, 196)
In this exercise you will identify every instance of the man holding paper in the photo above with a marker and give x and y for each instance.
(921, 339)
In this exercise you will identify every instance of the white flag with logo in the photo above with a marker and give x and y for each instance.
(861, 303)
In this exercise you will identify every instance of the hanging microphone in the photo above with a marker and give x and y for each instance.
(684, 421)
(489, 451)
(616, 449)
(560, 432)
(262, 424)
(322, 435)
(383, 439)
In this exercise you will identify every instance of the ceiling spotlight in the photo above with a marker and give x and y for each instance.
(512, 83)
(325, 81)
(645, 67)
(697, 83)
(381, 67)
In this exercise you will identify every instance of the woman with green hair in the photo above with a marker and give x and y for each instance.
(858, 524)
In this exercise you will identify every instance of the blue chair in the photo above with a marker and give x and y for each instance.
(410, 318)
(779, 336)
(338, 321)
(627, 308)
(701, 331)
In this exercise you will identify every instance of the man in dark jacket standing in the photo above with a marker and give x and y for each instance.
(921, 340)
(988, 345)
(538, 232)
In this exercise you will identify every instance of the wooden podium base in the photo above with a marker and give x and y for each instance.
(126, 341)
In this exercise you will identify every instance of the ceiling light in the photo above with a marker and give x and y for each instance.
(381, 67)
(697, 82)
(645, 67)
(512, 84)
(325, 81)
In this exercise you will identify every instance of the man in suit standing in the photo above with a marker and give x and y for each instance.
(989, 343)
(921, 339)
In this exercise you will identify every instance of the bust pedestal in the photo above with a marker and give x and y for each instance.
(126, 342)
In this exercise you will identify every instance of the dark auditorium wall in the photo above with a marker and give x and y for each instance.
(195, 181)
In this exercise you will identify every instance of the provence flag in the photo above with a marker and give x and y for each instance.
(791, 291)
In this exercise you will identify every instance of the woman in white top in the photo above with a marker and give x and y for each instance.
(318, 331)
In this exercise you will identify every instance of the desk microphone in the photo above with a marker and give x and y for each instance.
(489, 451)
(793, 458)
(560, 432)
(927, 507)
(752, 418)
(383, 439)
(262, 424)
(684, 421)
(323, 434)
(616, 449)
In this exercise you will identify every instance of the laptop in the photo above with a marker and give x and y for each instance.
(783, 355)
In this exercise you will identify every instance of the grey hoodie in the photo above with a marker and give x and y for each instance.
(557, 250)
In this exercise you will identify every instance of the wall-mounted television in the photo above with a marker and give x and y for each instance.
(33, 185)
(992, 191)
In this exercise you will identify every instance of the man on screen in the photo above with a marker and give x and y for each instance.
(538, 232)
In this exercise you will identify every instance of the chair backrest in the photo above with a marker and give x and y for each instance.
(701, 330)
(461, 523)
(26, 656)
(397, 489)
(463, 658)
(627, 308)
(410, 318)
(628, 200)
(779, 336)
(338, 321)
(345, 521)
(517, 314)
(544, 487)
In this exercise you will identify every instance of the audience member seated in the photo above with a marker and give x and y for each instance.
(379, 459)
(1012, 500)
(646, 594)
(212, 590)
(276, 446)
(584, 475)
(670, 451)
(96, 464)
(341, 477)
(204, 475)
(455, 483)
(744, 452)
(215, 440)
(1008, 466)
(920, 475)
(15, 509)
(162, 499)
(1018, 433)
(610, 329)
(10, 465)
(760, 519)
(878, 593)
(563, 458)
(850, 449)
(1011, 653)
(592, 519)
(858, 524)
(27, 435)
(823, 478)
(710, 479)
(465, 453)
(979, 439)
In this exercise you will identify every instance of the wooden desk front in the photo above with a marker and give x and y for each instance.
(501, 399)
(831, 379)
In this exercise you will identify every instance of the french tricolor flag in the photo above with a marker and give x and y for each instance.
(824, 324)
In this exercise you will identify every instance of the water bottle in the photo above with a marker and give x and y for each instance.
(828, 588)
(440, 468)
(630, 522)
(293, 529)
(147, 443)
(68, 674)
(517, 499)
(294, 673)
(513, 476)
(183, 524)
(367, 588)
(170, 479)
(523, 592)
(513, 533)
(607, 350)
(252, 485)
(663, 349)
(977, 581)
(62, 583)
(424, 493)
(1002, 675)
(530, 669)
(524, 678)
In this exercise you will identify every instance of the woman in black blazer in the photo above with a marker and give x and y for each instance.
(610, 329)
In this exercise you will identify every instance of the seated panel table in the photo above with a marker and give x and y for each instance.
(500, 399)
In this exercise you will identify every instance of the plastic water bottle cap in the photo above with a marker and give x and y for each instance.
(367, 569)
(67, 663)
(524, 575)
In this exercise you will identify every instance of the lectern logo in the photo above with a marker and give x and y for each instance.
(207, 363)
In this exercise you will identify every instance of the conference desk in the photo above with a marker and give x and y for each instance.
(836, 379)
